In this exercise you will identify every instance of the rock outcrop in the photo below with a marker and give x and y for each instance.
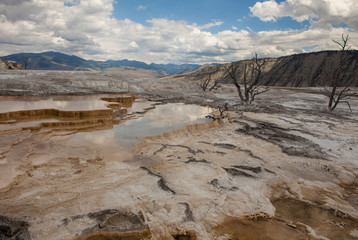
(13, 229)
(6, 64)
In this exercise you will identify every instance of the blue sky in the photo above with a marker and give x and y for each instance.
(232, 13)
(168, 31)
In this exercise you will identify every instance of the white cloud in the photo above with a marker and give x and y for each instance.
(88, 29)
(141, 7)
(212, 24)
(321, 13)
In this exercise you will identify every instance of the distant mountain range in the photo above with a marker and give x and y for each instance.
(60, 61)
(299, 70)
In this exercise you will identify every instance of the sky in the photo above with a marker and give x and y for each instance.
(176, 31)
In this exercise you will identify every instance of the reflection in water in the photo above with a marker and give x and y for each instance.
(106, 122)
(64, 103)
(163, 118)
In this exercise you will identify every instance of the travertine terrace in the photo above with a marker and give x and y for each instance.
(282, 168)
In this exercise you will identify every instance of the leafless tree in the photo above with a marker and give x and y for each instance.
(224, 109)
(25, 60)
(222, 113)
(208, 83)
(338, 89)
(252, 73)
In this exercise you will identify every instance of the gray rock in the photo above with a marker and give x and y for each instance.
(13, 229)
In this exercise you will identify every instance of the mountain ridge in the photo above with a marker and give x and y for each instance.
(52, 60)
(298, 70)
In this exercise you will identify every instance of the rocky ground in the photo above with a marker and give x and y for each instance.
(282, 168)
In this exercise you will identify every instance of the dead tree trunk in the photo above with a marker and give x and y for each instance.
(208, 83)
(25, 61)
(252, 76)
(338, 81)
(233, 71)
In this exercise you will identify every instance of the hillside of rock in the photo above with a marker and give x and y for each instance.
(6, 64)
(300, 70)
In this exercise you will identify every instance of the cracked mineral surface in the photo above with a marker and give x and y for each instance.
(282, 168)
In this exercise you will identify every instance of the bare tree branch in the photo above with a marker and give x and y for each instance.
(232, 71)
(252, 76)
(344, 43)
(215, 86)
(338, 80)
(25, 60)
(206, 82)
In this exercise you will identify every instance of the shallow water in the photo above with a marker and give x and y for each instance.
(132, 118)
(163, 118)
(65, 103)
(45, 130)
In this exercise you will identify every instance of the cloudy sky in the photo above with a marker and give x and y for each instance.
(173, 31)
